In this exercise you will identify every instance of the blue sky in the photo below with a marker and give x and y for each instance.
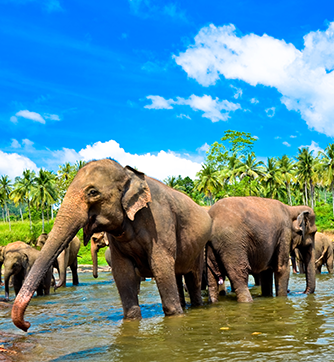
(153, 83)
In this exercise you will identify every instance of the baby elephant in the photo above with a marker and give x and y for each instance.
(19, 257)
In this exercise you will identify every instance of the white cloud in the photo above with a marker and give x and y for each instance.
(304, 78)
(52, 117)
(159, 103)
(13, 119)
(286, 144)
(314, 146)
(256, 137)
(13, 164)
(270, 112)
(213, 109)
(203, 148)
(183, 116)
(15, 143)
(292, 136)
(31, 115)
(278, 138)
(254, 101)
(238, 91)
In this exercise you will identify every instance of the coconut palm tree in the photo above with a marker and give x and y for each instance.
(287, 170)
(250, 168)
(5, 189)
(22, 190)
(272, 178)
(306, 171)
(209, 181)
(44, 193)
(327, 163)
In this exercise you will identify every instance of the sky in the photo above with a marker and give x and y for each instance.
(152, 84)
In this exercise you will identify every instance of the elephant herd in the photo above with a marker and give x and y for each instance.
(19, 257)
(158, 232)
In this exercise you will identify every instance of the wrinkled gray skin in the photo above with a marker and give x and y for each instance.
(323, 255)
(154, 228)
(101, 240)
(2, 249)
(256, 235)
(67, 258)
(18, 260)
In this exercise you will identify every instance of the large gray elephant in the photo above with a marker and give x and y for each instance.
(156, 229)
(19, 257)
(323, 255)
(256, 235)
(67, 258)
(2, 249)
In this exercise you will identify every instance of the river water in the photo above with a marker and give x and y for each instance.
(85, 323)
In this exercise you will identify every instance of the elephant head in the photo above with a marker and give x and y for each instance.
(98, 241)
(303, 232)
(15, 262)
(41, 240)
(102, 196)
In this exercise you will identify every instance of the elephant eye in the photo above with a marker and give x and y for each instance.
(92, 192)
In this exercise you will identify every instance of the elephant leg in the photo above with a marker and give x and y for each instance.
(239, 281)
(74, 269)
(126, 281)
(193, 282)
(282, 281)
(257, 279)
(267, 283)
(163, 268)
(329, 264)
(17, 283)
(181, 290)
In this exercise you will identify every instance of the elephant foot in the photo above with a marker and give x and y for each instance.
(133, 313)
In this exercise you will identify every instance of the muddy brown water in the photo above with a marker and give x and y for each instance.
(85, 323)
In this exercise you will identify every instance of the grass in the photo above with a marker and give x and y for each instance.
(21, 231)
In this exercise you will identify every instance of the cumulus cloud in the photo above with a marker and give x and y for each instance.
(13, 164)
(183, 116)
(203, 148)
(15, 143)
(303, 77)
(287, 144)
(292, 136)
(254, 101)
(314, 146)
(238, 91)
(214, 109)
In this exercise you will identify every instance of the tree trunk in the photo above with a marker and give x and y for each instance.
(51, 212)
(288, 192)
(29, 216)
(312, 194)
(42, 219)
(3, 214)
(8, 216)
(333, 195)
(21, 214)
(306, 198)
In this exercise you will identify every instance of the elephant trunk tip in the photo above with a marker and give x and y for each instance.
(18, 320)
(95, 275)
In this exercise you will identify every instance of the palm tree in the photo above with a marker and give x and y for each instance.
(5, 189)
(272, 177)
(172, 182)
(209, 181)
(79, 164)
(22, 190)
(327, 162)
(305, 170)
(287, 170)
(251, 168)
(44, 193)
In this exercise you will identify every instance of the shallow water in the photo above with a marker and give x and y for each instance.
(85, 323)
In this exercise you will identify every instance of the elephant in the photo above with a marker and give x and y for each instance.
(156, 229)
(256, 235)
(2, 249)
(323, 255)
(19, 257)
(98, 241)
(67, 258)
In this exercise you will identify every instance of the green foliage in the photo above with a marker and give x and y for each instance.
(324, 217)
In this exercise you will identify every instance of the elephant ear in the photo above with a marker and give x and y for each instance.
(137, 194)
(302, 223)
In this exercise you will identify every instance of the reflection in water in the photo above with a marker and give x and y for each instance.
(85, 323)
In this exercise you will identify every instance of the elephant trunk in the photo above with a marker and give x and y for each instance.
(94, 250)
(7, 277)
(309, 258)
(62, 266)
(71, 218)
